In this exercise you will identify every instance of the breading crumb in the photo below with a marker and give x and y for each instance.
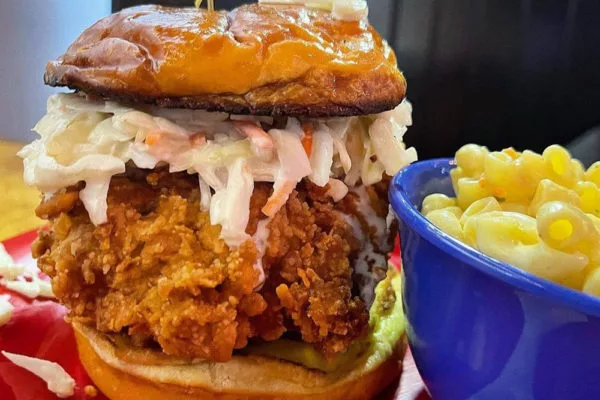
(90, 391)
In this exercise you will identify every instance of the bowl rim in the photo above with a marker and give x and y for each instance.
(411, 216)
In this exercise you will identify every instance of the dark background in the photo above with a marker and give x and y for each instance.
(524, 73)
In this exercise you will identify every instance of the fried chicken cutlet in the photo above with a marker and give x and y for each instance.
(159, 271)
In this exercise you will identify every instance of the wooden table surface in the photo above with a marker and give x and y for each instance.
(17, 200)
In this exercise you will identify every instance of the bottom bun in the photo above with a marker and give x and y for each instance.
(143, 374)
(122, 371)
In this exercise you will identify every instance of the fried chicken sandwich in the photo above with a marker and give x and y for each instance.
(216, 189)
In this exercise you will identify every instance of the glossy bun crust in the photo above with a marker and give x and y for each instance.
(256, 59)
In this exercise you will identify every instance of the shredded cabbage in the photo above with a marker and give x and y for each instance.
(205, 194)
(91, 141)
(339, 131)
(94, 196)
(293, 166)
(390, 151)
(230, 207)
(370, 263)
(372, 169)
(321, 158)
(345, 10)
(337, 189)
(350, 10)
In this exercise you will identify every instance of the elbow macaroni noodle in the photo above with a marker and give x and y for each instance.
(539, 212)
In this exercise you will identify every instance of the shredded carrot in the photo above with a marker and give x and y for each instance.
(307, 144)
(307, 140)
(278, 198)
(153, 138)
(256, 134)
(197, 139)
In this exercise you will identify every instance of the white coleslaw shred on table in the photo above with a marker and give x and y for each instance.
(58, 380)
(19, 279)
(6, 309)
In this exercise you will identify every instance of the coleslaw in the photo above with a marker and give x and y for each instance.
(83, 139)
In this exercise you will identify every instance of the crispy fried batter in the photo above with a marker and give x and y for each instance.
(158, 270)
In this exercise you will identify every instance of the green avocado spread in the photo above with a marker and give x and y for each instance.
(386, 327)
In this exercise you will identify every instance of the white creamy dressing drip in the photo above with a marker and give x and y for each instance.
(370, 265)
(365, 208)
(391, 217)
(261, 240)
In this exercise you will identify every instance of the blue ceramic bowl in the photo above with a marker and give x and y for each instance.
(482, 329)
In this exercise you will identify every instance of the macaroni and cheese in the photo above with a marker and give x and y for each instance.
(538, 212)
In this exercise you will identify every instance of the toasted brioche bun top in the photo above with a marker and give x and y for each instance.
(256, 59)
